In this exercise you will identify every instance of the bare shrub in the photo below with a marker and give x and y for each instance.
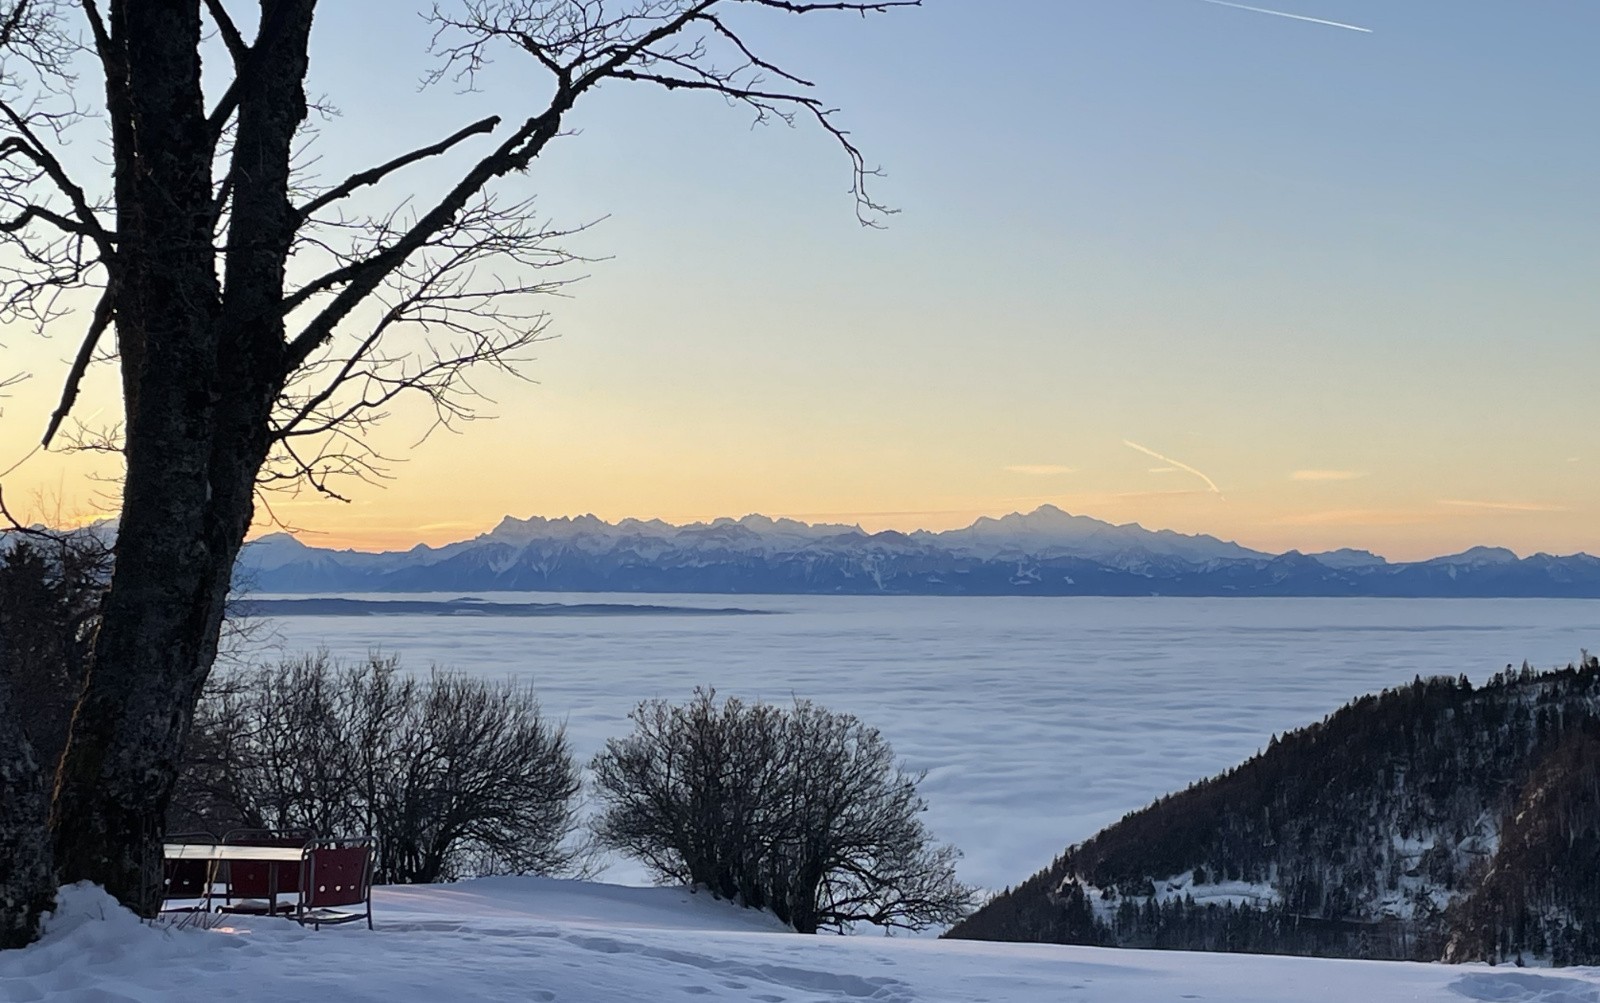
(453, 775)
(800, 810)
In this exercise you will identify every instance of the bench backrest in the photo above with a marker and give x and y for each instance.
(258, 879)
(338, 872)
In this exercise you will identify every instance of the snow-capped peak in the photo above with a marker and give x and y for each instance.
(1478, 557)
(1049, 530)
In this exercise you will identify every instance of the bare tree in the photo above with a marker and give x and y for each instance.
(802, 811)
(479, 781)
(232, 374)
(454, 776)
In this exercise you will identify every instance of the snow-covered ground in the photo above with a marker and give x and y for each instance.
(522, 939)
(1038, 720)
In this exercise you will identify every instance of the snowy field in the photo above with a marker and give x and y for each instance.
(1038, 720)
(527, 939)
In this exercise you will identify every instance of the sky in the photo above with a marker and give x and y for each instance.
(1176, 262)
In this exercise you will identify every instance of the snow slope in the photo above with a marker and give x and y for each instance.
(535, 939)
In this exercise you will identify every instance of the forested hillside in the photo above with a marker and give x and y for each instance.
(1431, 821)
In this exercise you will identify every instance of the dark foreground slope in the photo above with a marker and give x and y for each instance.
(1431, 821)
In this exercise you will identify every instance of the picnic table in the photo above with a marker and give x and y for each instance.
(322, 874)
(231, 851)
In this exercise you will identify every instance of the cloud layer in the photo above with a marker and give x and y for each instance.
(1503, 506)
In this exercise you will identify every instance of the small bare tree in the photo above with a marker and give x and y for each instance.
(453, 775)
(802, 811)
(480, 780)
(261, 323)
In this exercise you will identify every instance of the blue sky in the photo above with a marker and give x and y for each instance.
(1350, 277)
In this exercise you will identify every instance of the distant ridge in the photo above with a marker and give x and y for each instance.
(1431, 821)
(1043, 552)
(323, 606)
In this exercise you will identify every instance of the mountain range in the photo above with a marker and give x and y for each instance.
(1043, 552)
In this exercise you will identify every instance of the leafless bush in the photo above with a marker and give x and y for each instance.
(454, 775)
(799, 810)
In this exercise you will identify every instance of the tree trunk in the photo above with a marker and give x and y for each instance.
(199, 380)
(156, 644)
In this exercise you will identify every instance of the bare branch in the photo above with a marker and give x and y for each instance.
(359, 278)
(756, 61)
(584, 43)
(237, 47)
(13, 526)
(30, 145)
(248, 61)
(104, 310)
(464, 322)
(97, 28)
(376, 174)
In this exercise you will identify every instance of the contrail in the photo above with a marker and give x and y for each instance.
(1293, 17)
(1146, 450)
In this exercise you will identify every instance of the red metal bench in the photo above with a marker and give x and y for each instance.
(337, 873)
(260, 887)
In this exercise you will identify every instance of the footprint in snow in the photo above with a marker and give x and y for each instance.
(1524, 987)
(20, 990)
